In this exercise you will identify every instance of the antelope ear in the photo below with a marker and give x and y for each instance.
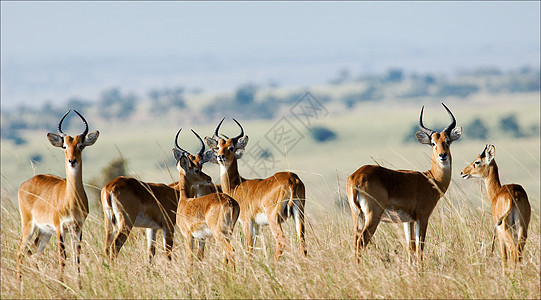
(423, 138)
(209, 156)
(242, 142)
(91, 138)
(183, 162)
(490, 152)
(177, 154)
(456, 133)
(212, 143)
(55, 139)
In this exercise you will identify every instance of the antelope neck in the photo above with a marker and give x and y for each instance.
(492, 181)
(229, 176)
(441, 174)
(185, 187)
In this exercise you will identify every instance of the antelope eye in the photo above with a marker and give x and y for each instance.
(477, 162)
(433, 144)
(196, 171)
(230, 148)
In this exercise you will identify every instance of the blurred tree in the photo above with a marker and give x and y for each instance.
(477, 129)
(321, 134)
(394, 75)
(245, 94)
(509, 124)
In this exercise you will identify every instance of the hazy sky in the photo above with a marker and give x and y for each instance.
(241, 36)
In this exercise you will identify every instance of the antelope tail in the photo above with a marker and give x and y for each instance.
(509, 208)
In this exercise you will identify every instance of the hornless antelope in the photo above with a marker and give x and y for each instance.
(127, 203)
(379, 194)
(262, 201)
(510, 206)
(49, 204)
(214, 214)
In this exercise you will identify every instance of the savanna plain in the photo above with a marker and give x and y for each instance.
(458, 261)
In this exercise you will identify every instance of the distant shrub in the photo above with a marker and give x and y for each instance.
(477, 129)
(509, 124)
(116, 167)
(322, 134)
(458, 90)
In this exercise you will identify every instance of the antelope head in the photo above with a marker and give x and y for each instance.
(439, 141)
(73, 146)
(479, 167)
(190, 165)
(226, 150)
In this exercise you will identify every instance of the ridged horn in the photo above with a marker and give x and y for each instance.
(84, 121)
(215, 136)
(423, 129)
(453, 121)
(60, 123)
(176, 143)
(202, 150)
(235, 139)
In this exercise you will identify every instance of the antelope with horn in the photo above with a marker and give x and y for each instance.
(510, 206)
(267, 201)
(51, 205)
(211, 215)
(379, 194)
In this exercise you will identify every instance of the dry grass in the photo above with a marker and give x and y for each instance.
(458, 264)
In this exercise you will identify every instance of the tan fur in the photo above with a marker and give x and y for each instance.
(276, 197)
(507, 202)
(216, 211)
(138, 202)
(48, 201)
(413, 195)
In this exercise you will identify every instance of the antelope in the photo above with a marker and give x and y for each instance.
(267, 201)
(379, 194)
(510, 206)
(199, 218)
(128, 202)
(199, 159)
(51, 205)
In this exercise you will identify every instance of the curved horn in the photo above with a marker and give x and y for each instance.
(215, 136)
(60, 123)
(423, 129)
(235, 139)
(84, 121)
(453, 121)
(176, 142)
(202, 150)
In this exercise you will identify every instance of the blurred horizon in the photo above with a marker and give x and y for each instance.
(55, 50)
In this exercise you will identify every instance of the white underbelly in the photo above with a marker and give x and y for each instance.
(202, 232)
(45, 228)
(395, 216)
(261, 219)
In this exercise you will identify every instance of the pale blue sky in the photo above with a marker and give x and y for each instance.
(206, 38)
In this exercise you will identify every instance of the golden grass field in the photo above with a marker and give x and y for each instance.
(458, 261)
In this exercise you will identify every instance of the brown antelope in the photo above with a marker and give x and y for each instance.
(263, 201)
(128, 202)
(211, 215)
(379, 194)
(51, 205)
(199, 159)
(510, 206)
